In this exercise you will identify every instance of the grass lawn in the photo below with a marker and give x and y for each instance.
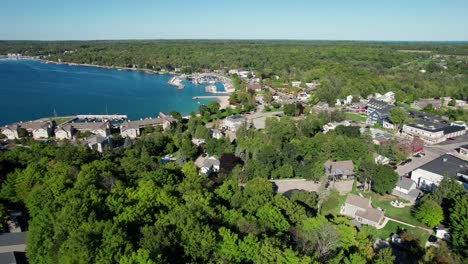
(402, 214)
(60, 120)
(332, 205)
(392, 227)
(355, 117)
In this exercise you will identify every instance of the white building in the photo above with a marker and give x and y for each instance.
(429, 175)
(333, 125)
(232, 123)
(67, 131)
(207, 165)
(388, 97)
(433, 133)
(406, 188)
(361, 210)
(296, 83)
(98, 143)
(132, 129)
(36, 128)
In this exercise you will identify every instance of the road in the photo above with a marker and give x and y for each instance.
(433, 152)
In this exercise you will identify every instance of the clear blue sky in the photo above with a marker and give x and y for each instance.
(234, 19)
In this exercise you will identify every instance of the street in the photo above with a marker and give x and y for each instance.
(433, 152)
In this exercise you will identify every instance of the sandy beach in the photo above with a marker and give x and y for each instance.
(222, 99)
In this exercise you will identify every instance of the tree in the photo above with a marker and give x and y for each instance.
(385, 256)
(290, 109)
(457, 223)
(429, 212)
(213, 107)
(384, 180)
(452, 102)
(398, 116)
(268, 97)
(202, 132)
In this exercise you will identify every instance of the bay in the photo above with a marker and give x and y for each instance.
(32, 89)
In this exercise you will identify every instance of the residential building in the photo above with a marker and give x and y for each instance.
(378, 111)
(361, 210)
(207, 165)
(423, 103)
(379, 136)
(215, 133)
(388, 125)
(406, 189)
(429, 175)
(463, 152)
(321, 106)
(303, 96)
(37, 129)
(296, 83)
(232, 123)
(388, 97)
(65, 131)
(101, 128)
(337, 170)
(333, 125)
(98, 143)
(254, 87)
(133, 129)
(379, 159)
(410, 146)
(357, 108)
(442, 232)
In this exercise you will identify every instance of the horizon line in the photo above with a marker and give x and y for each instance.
(231, 39)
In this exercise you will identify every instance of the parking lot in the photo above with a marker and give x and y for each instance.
(433, 152)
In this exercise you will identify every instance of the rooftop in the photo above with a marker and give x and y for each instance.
(358, 201)
(446, 165)
(405, 183)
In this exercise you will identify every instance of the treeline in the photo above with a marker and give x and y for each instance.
(129, 207)
(343, 68)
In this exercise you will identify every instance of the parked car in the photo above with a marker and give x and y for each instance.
(450, 138)
(406, 162)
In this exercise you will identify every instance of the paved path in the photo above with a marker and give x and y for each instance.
(404, 223)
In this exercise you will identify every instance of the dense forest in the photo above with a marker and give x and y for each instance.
(129, 207)
(411, 70)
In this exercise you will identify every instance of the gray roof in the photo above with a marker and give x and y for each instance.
(405, 183)
(29, 125)
(12, 239)
(358, 201)
(371, 214)
(89, 125)
(206, 162)
(345, 167)
(446, 165)
(96, 139)
(236, 118)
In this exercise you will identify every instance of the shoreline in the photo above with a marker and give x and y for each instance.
(223, 100)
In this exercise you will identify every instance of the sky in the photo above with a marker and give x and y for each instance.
(405, 20)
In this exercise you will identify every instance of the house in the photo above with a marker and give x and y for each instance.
(406, 189)
(232, 123)
(133, 129)
(215, 133)
(442, 232)
(254, 87)
(429, 175)
(423, 103)
(379, 137)
(13, 247)
(296, 83)
(379, 159)
(37, 129)
(65, 131)
(377, 111)
(361, 210)
(312, 85)
(321, 106)
(339, 169)
(207, 165)
(348, 100)
(463, 152)
(198, 141)
(303, 96)
(388, 97)
(357, 108)
(98, 143)
(97, 128)
(333, 125)
(410, 146)
(388, 125)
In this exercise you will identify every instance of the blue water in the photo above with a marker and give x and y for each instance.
(32, 89)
